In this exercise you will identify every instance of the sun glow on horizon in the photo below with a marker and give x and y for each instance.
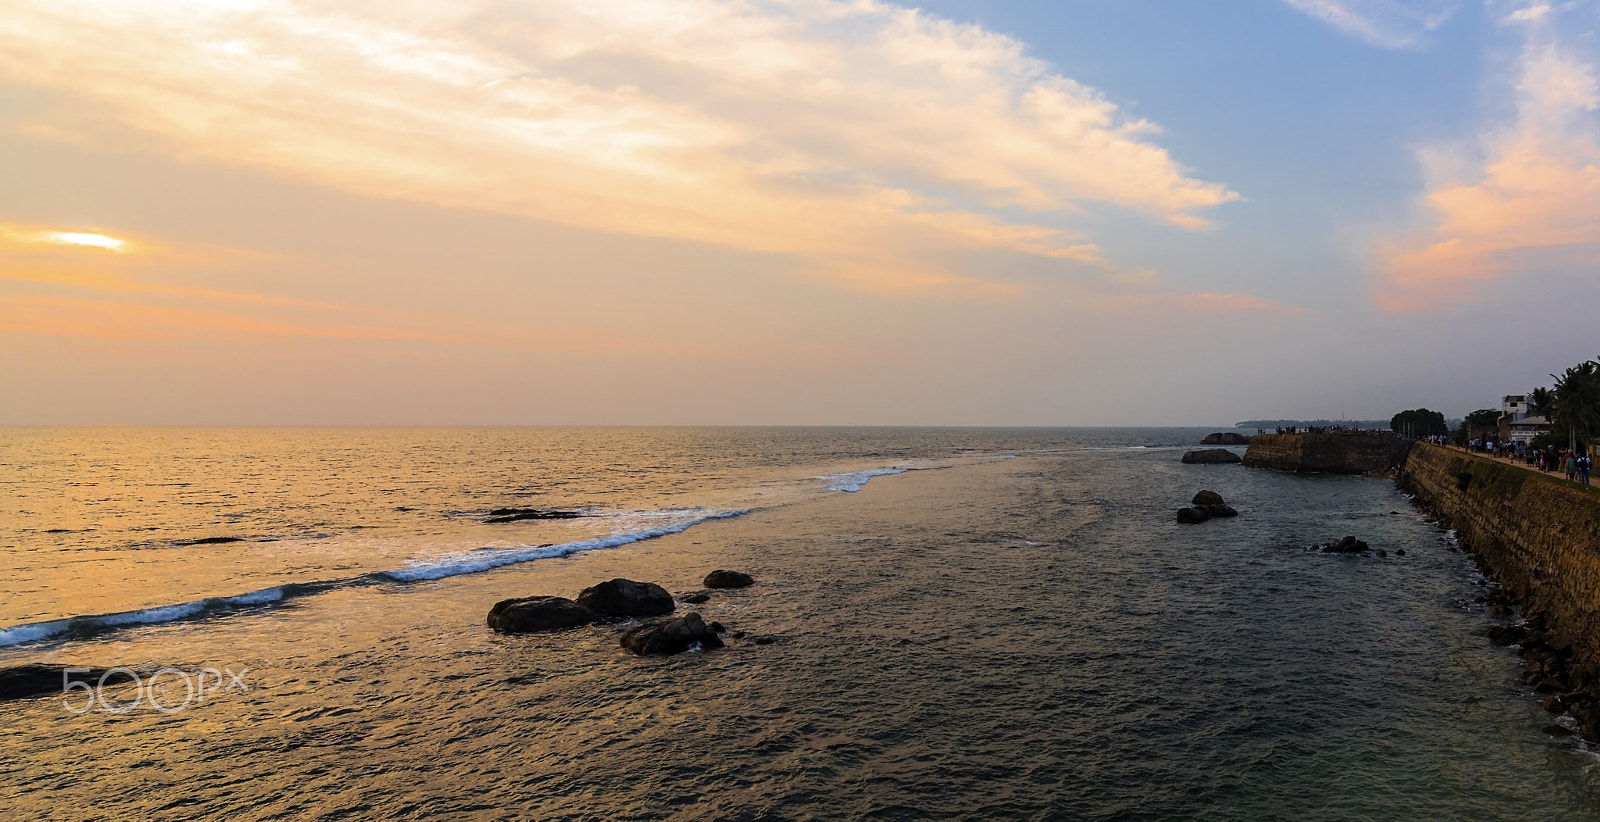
(82, 238)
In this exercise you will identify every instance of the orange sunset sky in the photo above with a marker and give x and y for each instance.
(806, 212)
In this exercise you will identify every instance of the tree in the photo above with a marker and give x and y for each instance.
(1574, 403)
(1483, 418)
(1418, 422)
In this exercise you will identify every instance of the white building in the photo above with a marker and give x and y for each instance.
(1514, 406)
(1525, 429)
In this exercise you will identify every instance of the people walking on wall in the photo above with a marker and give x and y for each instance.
(1572, 466)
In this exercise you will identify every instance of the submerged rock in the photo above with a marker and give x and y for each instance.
(518, 514)
(1220, 510)
(1347, 545)
(728, 579)
(529, 614)
(1225, 438)
(23, 681)
(1193, 515)
(209, 541)
(672, 636)
(695, 598)
(1211, 456)
(626, 598)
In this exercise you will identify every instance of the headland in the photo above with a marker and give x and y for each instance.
(1339, 452)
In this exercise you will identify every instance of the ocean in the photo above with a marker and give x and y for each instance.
(946, 624)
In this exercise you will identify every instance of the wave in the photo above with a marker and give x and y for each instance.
(419, 570)
(852, 482)
(485, 559)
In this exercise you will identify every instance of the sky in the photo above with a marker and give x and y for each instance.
(795, 212)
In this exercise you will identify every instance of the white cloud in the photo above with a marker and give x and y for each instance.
(865, 135)
(1387, 23)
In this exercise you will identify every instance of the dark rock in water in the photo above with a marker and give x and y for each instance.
(695, 598)
(1211, 456)
(626, 598)
(1553, 704)
(528, 614)
(1348, 545)
(1557, 730)
(763, 640)
(717, 626)
(672, 636)
(1208, 498)
(1225, 438)
(738, 634)
(1221, 511)
(1382, 553)
(1399, 552)
(1193, 515)
(728, 579)
(518, 514)
(23, 681)
(208, 541)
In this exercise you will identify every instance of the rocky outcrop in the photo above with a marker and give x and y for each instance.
(1225, 438)
(672, 636)
(530, 614)
(1210, 456)
(728, 579)
(1206, 504)
(1336, 453)
(626, 598)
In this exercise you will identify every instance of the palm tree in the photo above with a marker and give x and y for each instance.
(1575, 402)
(1541, 403)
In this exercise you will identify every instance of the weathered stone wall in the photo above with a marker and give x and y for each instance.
(1537, 535)
(1325, 453)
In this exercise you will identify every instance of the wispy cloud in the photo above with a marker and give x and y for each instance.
(1531, 203)
(862, 136)
(1386, 23)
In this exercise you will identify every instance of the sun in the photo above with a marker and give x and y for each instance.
(79, 238)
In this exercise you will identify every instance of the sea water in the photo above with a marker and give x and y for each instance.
(955, 623)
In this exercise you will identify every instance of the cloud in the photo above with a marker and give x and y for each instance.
(861, 136)
(1532, 203)
(1386, 23)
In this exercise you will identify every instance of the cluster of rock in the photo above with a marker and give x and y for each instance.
(1550, 670)
(1210, 456)
(1205, 505)
(623, 599)
(1225, 438)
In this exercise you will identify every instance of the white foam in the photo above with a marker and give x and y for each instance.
(32, 632)
(485, 559)
(852, 482)
(35, 631)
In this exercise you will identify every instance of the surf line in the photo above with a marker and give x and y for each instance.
(78, 627)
